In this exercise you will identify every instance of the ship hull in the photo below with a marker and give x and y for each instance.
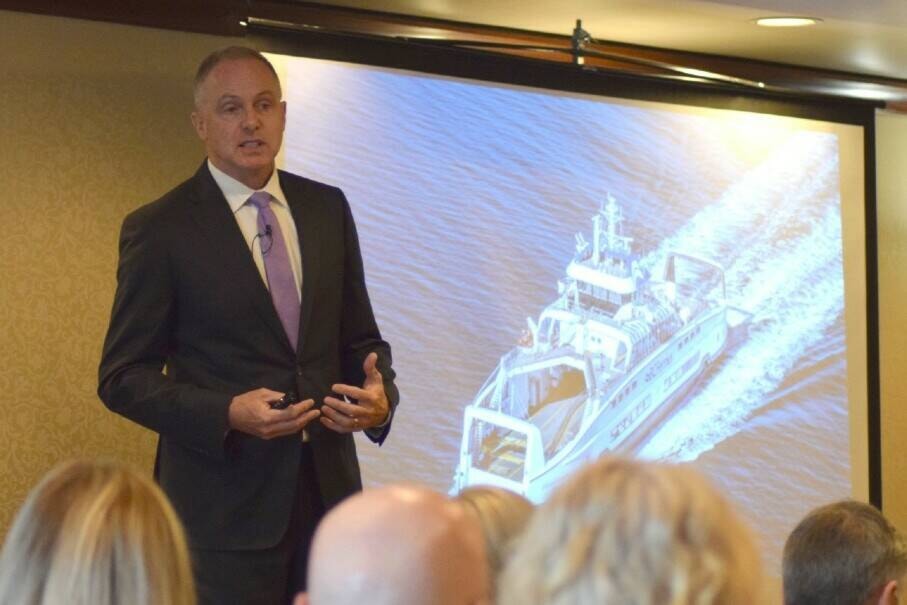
(668, 374)
(624, 418)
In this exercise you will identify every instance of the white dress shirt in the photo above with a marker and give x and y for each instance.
(246, 216)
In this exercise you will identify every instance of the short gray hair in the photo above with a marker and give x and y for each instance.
(841, 553)
(230, 53)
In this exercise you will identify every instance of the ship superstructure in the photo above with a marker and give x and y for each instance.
(603, 364)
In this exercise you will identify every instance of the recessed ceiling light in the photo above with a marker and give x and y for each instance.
(787, 21)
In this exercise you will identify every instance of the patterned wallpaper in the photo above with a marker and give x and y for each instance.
(96, 123)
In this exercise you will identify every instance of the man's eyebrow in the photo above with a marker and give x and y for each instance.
(231, 97)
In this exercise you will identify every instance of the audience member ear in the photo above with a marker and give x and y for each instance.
(889, 594)
(301, 599)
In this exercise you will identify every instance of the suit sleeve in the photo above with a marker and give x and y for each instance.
(359, 334)
(132, 381)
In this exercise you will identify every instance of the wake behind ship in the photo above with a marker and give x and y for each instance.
(605, 364)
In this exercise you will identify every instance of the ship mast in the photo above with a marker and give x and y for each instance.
(610, 247)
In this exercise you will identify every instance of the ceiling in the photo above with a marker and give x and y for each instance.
(859, 50)
(857, 36)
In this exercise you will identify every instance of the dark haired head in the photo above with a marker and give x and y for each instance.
(841, 554)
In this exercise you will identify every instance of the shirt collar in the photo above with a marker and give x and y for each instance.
(238, 194)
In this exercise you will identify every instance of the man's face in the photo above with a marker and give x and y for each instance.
(240, 118)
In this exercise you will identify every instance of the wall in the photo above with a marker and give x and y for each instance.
(891, 151)
(95, 122)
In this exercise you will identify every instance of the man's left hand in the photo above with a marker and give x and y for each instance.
(371, 410)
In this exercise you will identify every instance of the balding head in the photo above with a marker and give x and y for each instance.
(401, 545)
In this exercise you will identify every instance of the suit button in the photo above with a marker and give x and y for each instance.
(299, 373)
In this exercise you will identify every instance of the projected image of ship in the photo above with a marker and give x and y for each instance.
(602, 367)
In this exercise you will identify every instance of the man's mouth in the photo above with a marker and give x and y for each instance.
(253, 144)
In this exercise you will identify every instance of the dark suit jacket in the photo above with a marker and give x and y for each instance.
(189, 297)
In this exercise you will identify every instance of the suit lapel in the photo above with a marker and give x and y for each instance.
(217, 224)
(304, 216)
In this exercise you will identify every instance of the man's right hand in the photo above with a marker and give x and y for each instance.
(251, 413)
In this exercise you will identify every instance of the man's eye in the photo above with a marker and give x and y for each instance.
(264, 105)
(230, 109)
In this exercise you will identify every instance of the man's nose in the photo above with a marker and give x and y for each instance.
(250, 120)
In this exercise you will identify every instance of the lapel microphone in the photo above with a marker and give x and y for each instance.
(261, 236)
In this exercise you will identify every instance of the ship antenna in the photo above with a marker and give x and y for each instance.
(613, 219)
(615, 241)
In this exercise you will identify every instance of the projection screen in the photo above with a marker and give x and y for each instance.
(564, 275)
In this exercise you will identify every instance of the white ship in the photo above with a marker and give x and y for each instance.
(604, 365)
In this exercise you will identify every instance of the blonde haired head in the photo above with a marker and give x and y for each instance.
(628, 532)
(96, 534)
(502, 514)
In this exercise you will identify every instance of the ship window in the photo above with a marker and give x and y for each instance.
(498, 450)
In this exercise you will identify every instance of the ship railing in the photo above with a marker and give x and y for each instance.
(501, 397)
(491, 393)
(495, 395)
(567, 303)
(486, 395)
(478, 423)
(621, 270)
(521, 359)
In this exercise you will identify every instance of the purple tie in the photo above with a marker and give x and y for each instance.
(277, 266)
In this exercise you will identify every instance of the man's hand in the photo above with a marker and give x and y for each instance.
(251, 413)
(371, 410)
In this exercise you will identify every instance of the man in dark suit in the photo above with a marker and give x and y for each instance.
(246, 284)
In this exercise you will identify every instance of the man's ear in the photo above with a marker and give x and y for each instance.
(890, 594)
(199, 124)
(301, 599)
